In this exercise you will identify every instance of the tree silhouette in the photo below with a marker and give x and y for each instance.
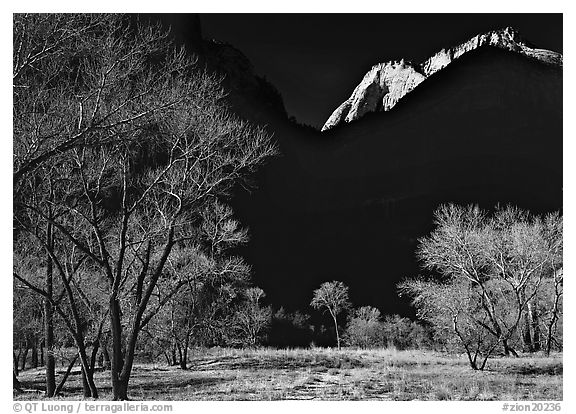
(332, 297)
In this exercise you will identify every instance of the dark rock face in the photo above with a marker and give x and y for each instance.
(249, 95)
(350, 203)
(184, 28)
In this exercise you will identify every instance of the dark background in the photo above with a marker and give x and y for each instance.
(351, 203)
(316, 60)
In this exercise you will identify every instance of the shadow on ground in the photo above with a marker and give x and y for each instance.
(236, 362)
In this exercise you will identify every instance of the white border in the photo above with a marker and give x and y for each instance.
(292, 6)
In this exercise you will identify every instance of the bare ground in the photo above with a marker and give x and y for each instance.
(326, 374)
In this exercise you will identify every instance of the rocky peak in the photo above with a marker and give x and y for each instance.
(386, 83)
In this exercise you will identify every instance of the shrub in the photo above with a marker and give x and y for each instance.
(364, 328)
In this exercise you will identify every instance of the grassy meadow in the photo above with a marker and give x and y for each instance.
(327, 374)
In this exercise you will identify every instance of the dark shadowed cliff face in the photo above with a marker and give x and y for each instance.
(350, 203)
(493, 119)
(250, 95)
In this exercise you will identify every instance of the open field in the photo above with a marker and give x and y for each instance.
(326, 374)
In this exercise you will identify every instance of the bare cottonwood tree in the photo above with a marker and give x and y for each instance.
(77, 297)
(332, 297)
(27, 328)
(522, 252)
(552, 297)
(491, 269)
(51, 114)
(214, 280)
(147, 143)
(454, 309)
(251, 318)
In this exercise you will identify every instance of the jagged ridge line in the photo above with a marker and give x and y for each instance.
(404, 77)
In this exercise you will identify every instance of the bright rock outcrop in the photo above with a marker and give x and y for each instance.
(386, 83)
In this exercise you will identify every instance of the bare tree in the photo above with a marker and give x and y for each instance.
(456, 249)
(77, 298)
(553, 296)
(27, 327)
(203, 312)
(146, 143)
(491, 270)
(176, 320)
(520, 250)
(332, 297)
(51, 115)
(251, 318)
(455, 308)
(32, 236)
(554, 311)
(214, 279)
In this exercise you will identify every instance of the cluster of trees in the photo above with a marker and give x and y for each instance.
(497, 281)
(495, 286)
(365, 327)
(123, 153)
(368, 329)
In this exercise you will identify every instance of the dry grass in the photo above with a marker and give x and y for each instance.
(327, 374)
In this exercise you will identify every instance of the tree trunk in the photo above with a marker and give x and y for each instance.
(174, 362)
(25, 356)
(488, 306)
(119, 387)
(526, 335)
(526, 324)
(337, 333)
(120, 390)
(88, 385)
(472, 361)
(122, 362)
(179, 348)
(65, 377)
(535, 322)
(94, 356)
(15, 368)
(34, 362)
(549, 335)
(508, 349)
(106, 356)
(49, 321)
(90, 389)
(15, 383)
(184, 358)
(85, 385)
(42, 353)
